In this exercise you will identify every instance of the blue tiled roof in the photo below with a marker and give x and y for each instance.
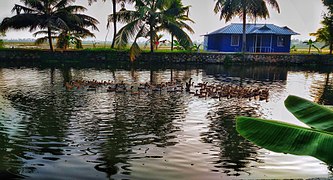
(236, 28)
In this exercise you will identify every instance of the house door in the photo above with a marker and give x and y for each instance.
(258, 43)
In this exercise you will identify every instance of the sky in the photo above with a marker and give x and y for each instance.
(302, 16)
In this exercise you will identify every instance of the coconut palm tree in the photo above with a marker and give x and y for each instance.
(178, 14)
(50, 16)
(311, 44)
(325, 33)
(148, 18)
(114, 10)
(243, 8)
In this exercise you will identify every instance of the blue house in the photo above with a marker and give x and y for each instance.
(262, 38)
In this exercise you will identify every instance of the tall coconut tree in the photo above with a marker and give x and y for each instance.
(243, 8)
(50, 16)
(148, 18)
(77, 29)
(177, 16)
(114, 10)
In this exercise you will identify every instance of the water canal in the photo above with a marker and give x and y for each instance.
(48, 132)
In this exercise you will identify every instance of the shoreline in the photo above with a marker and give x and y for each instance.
(114, 56)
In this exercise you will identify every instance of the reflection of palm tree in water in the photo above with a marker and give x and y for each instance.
(147, 121)
(325, 96)
(235, 152)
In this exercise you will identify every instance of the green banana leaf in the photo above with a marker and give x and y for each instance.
(287, 138)
(310, 113)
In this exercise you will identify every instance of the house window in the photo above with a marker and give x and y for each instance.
(281, 41)
(234, 40)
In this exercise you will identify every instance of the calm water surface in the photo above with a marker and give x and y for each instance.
(47, 132)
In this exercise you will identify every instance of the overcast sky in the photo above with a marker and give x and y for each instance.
(302, 16)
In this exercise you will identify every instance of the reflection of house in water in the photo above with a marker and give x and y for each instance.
(258, 73)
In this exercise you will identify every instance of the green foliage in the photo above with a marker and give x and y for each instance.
(288, 138)
(65, 39)
(325, 33)
(310, 113)
(293, 48)
(148, 19)
(196, 47)
(311, 44)
(177, 45)
(51, 17)
(157, 41)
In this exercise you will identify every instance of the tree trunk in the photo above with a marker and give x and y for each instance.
(244, 29)
(330, 42)
(171, 41)
(151, 37)
(114, 6)
(50, 38)
(330, 36)
(310, 48)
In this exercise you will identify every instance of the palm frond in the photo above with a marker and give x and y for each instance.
(183, 38)
(134, 51)
(127, 32)
(19, 21)
(62, 3)
(43, 33)
(88, 21)
(124, 16)
(34, 4)
(73, 9)
(274, 4)
(18, 9)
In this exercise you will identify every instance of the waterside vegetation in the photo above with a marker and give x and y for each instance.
(316, 141)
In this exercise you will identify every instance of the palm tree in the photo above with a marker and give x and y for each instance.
(243, 8)
(179, 14)
(325, 34)
(50, 16)
(114, 10)
(311, 44)
(148, 18)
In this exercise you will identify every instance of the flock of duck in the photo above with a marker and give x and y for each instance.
(201, 90)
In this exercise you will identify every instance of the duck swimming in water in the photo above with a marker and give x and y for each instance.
(202, 90)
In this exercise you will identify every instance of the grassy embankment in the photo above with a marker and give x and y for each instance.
(300, 49)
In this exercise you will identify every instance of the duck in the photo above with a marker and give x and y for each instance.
(188, 85)
(112, 88)
(196, 93)
(68, 86)
(133, 92)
